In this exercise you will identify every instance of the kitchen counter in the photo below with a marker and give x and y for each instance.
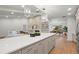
(8, 45)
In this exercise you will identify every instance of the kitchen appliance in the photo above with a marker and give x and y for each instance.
(77, 34)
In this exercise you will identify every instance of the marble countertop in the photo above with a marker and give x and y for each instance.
(8, 45)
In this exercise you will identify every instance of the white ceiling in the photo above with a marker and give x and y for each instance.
(58, 10)
(5, 10)
(51, 10)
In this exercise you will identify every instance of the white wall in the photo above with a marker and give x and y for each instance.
(71, 23)
(7, 25)
(67, 21)
(57, 21)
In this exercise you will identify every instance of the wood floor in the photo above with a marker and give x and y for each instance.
(62, 46)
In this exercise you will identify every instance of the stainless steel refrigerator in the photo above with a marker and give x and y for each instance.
(77, 34)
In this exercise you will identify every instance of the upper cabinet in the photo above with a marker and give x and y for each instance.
(44, 27)
(39, 22)
(34, 23)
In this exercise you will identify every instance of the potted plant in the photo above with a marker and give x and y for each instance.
(37, 33)
(57, 29)
(32, 35)
(65, 30)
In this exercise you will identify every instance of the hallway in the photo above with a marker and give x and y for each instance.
(62, 46)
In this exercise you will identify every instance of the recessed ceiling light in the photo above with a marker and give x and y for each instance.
(22, 6)
(6, 16)
(69, 9)
(69, 13)
(12, 12)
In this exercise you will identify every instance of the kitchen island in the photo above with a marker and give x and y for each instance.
(28, 45)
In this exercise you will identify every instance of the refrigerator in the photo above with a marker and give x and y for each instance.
(77, 35)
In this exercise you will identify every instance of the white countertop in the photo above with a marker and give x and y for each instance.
(8, 45)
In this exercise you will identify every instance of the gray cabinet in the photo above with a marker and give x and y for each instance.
(78, 46)
(49, 43)
(17, 52)
(41, 47)
(46, 46)
(28, 50)
(44, 27)
(53, 41)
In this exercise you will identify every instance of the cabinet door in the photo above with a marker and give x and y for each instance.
(28, 50)
(40, 47)
(53, 42)
(45, 46)
(36, 49)
(49, 44)
(33, 49)
(16, 52)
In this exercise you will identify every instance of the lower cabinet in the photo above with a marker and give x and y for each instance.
(51, 43)
(46, 46)
(17, 52)
(41, 47)
(37, 48)
(52, 39)
(30, 50)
